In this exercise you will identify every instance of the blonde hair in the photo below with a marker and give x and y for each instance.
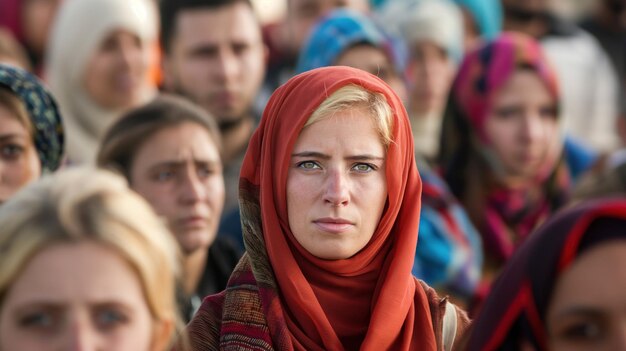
(85, 204)
(353, 97)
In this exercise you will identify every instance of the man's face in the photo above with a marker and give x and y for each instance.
(217, 59)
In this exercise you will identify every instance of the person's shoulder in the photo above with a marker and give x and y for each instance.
(450, 322)
(234, 315)
(204, 329)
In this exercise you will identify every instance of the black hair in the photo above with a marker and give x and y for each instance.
(170, 9)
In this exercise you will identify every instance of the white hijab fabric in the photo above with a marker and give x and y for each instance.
(78, 30)
(438, 21)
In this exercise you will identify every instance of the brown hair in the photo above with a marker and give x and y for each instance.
(14, 104)
(127, 135)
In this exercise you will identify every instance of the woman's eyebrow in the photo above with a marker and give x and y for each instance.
(10, 135)
(365, 157)
(360, 157)
(581, 311)
(311, 154)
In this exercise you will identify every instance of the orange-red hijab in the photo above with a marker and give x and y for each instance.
(370, 299)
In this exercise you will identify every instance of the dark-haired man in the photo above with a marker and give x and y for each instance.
(214, 55)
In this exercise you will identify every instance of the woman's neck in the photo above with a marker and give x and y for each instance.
(193, 268)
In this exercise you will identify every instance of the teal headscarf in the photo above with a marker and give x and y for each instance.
(487, 15)
(342, 29)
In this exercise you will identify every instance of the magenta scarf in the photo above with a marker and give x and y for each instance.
(11, 16)
(509, 214)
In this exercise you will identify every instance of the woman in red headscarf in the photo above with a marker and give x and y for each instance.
(330, 201)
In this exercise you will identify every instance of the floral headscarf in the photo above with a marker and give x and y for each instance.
(43, 112)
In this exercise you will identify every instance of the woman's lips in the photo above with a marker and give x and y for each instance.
(193, 222)
(333, 225)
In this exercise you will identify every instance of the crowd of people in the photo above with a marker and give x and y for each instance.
(357, 175)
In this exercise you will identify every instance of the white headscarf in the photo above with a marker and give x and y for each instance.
(438, 21)
(441, 23)
(78, 31)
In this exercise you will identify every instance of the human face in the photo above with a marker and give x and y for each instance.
(78, 296)
(522, 127)
(336, 186)
(217, 59)
(19, 163)
(373, 60)
(303, 15)
(431, 74)
(117, 74)
(179, 172)
(588, 307)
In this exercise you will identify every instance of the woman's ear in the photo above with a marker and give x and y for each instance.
(162, 335)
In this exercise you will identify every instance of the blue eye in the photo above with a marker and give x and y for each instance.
(364, 167)
(37, 320)
(204, 171)
(162, 176)
(308, 165)
(109, 318)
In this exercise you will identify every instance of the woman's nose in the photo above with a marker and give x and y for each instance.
(532, 127)
(337, 192)
(82, 336)
(192, 189)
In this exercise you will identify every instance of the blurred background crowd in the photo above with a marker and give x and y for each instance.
(517, 108)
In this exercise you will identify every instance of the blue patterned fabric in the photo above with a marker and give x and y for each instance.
(43, 112)
(449, 250)
(340, 30)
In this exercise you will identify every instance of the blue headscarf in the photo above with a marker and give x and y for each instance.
(339, 31)
(487, 15)
(43, 113)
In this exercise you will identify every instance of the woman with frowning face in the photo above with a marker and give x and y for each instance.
(564, 289)
(31, 133)
(169, 151)
(85, 268)
(329, 196)
(502, 143)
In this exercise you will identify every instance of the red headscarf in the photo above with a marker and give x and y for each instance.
(370, 300)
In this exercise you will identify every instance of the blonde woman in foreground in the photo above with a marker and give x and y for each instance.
(85, 264)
